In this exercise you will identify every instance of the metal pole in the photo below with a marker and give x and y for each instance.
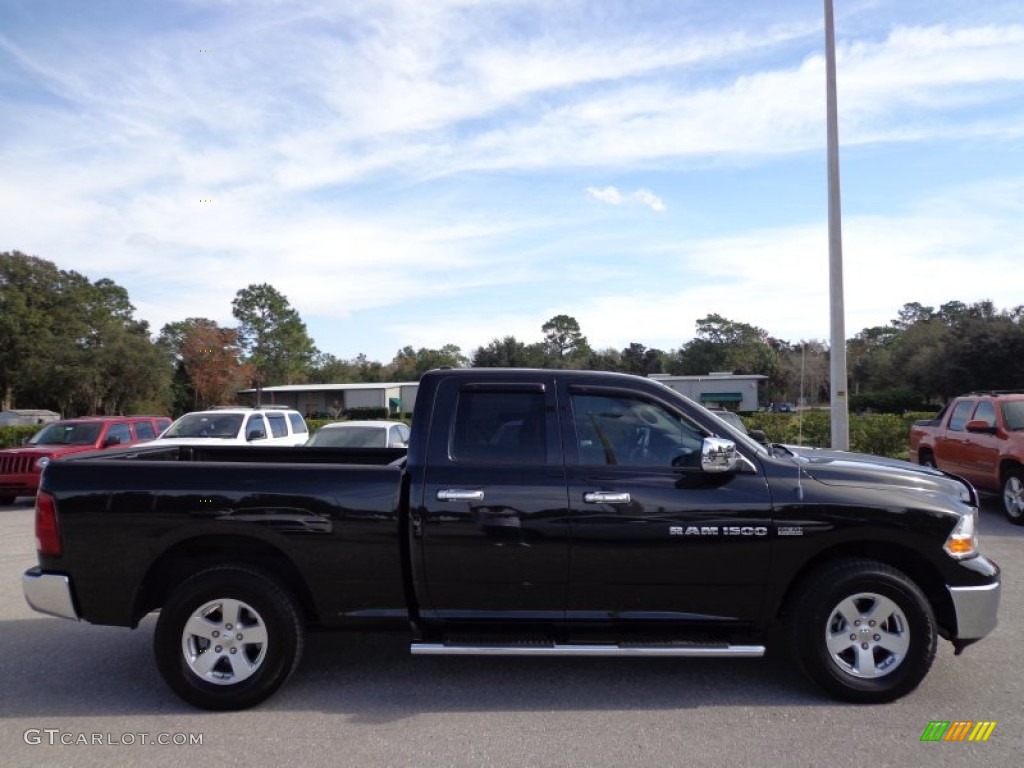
(837, 358)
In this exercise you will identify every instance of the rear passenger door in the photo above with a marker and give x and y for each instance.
(950, 449)
(491, 522)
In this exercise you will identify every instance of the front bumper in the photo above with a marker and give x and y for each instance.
(976, 610)
(49, 593)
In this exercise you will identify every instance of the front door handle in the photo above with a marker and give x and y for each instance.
(458, 494)
(606, 497)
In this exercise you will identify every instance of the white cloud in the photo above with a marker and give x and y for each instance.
(613, 196)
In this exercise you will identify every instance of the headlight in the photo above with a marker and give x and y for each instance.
(42, 462)
(963, 541)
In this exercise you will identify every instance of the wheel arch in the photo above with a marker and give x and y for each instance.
(917, 568)
(191, 556)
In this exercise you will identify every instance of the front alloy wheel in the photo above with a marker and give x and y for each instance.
(867, 635)
(1013, 496)
(863, 630)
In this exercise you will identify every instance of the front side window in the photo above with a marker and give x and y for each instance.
(502, 426)
(255, 425)
(1013, 414)
(986, 412)
(121, 432)
(961, 413)
(625, 430)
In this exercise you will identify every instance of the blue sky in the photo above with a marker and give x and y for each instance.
(427, 172)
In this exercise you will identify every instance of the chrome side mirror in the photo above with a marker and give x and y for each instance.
(718, 455)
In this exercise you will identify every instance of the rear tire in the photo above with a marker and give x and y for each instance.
(1013, 495)
(926, 459)
(228, 638)
(863, 631)
(6, 501)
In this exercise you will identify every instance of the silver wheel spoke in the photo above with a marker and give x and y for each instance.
(241, 667)
(882, 609)
(838, 643)
(254, 635)
(229, 612)
(865, 665)
(205, 662)
(896, 643)
(199, 626)
(848, 610)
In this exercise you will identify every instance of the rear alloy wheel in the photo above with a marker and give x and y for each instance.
(227, 638)
(1013, 495)
(863, 631)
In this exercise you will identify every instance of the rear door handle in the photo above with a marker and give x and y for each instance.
(458, 494)
(606, 497)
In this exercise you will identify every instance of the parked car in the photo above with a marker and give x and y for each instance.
(361, 434)
(980, 437)
(266, 425)
(20, 467)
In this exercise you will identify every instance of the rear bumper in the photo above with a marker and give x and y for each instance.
(49, 593)
(977, 610)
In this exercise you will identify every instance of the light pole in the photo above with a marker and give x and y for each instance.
(840, 410)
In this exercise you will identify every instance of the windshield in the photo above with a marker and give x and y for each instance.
(216, 425)
(350, 437)
(1013, 412)
(66, 434)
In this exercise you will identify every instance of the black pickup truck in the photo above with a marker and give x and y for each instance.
(534, 513)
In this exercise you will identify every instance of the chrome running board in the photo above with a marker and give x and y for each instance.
(597, 649)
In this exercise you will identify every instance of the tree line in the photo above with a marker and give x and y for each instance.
(76, 347)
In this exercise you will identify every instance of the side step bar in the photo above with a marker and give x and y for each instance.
(597, 649)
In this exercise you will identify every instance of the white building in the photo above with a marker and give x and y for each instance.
(734, 391)
(396, 397)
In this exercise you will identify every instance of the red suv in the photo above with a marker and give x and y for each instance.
(20, 467)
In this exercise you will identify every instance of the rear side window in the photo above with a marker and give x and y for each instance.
(961, 413)
(500, 426)
(278, 426)
(144, 430)
(298, 424)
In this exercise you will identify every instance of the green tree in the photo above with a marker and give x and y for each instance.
(508, 352)
(409, 364)
(563, 340)
(273, 336)
(73, 345)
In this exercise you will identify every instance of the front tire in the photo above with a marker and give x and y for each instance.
(228, 638)
(1013, 495)
(863, 631)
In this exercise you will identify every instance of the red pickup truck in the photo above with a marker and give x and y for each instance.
(20, 468)
(980, 437)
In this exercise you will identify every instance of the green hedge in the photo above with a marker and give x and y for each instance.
(11, 437)
(881, 434)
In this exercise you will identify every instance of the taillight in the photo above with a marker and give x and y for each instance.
(47, 530)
